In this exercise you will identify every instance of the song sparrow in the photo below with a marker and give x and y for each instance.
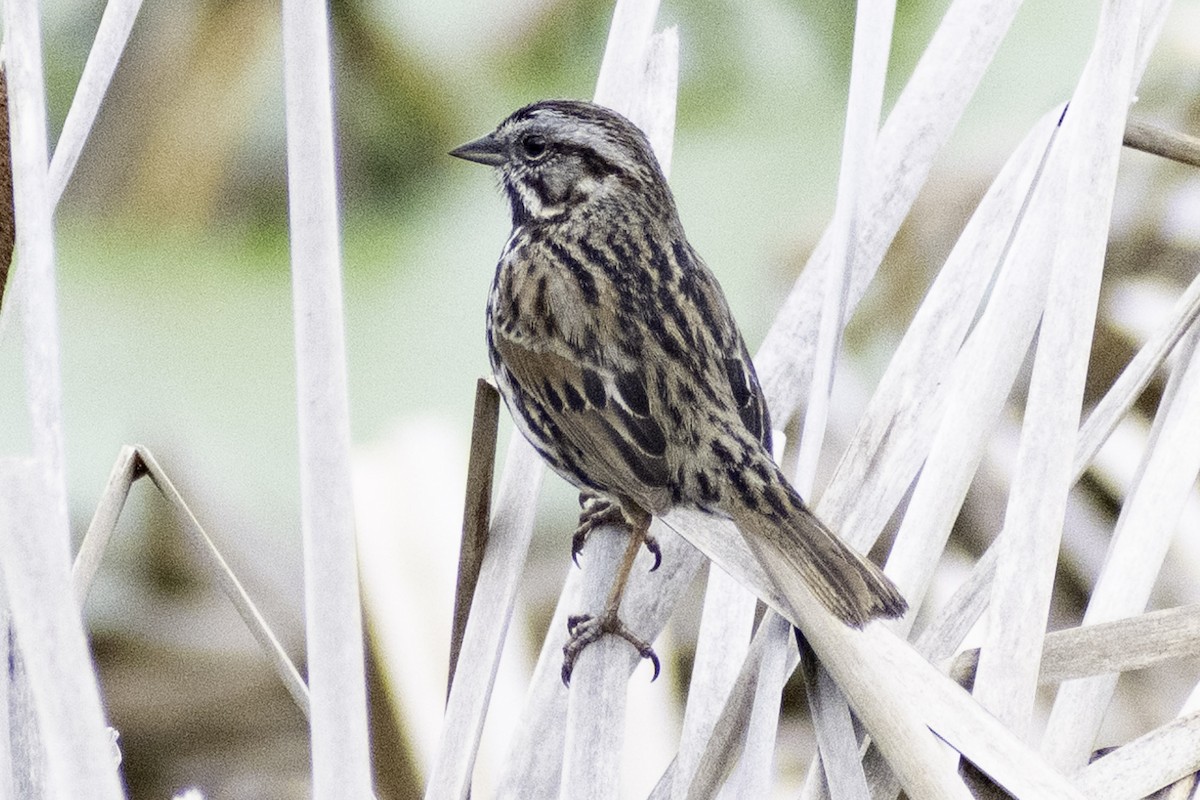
(617, 355)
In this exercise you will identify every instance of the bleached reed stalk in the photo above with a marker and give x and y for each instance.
(995, 349)
(491, 611)
(893, 690)
(722, 645)
(834, 729)
(535, 759)
(837, 742)
(72, 752)
(1122, 645)
(966, 606)
(948, 628)
(104, 522)
(336, 678)
(1148, 763)
(1135, 377)
(894, 434)
(102, 60)
(980, 382)
(868, 72)
(1165, 478)
(1144, 40)
(1020, 602)
(921, 121)
(887, 450)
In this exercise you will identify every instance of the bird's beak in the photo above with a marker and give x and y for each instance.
(484, 150)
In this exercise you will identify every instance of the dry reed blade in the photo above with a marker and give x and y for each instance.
(33, 501)
(1107, 647)
(341, 766)
(103, 57)
(1159, 141)
(919, 124)
(921, 121)
(945, 632)
(131, 464)
(73, 756)
(868, 680)
(894, 435)
(1147, 764)
(1165, 478)
(1135, 377)
(837, 743)
(1020, 602)
(722, 646)
(888, 683)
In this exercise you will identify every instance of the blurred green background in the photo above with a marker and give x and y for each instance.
(175, 296)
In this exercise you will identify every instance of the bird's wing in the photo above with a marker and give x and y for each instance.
(704, 301)
(598, 418)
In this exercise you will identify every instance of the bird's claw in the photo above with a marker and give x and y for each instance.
(656, 551)
(596, 511)
(585, 629)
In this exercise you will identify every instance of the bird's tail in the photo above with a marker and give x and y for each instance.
(792, 544)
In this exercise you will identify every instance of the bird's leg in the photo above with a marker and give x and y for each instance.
(585, 628)
(595, 512)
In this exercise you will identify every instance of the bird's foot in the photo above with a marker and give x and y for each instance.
(595, 512)
(585, 629)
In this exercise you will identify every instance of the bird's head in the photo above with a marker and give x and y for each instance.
(556, 158)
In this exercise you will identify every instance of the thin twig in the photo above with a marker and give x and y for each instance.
(228, 582)
(127, 469)
(476, 513)
(1159, 141)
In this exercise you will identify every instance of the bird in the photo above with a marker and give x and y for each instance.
(619, 359)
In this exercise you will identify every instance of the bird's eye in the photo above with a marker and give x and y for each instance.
(534, 146)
